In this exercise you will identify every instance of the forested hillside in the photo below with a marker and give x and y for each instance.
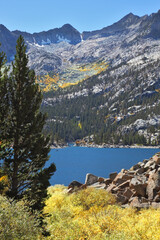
(120, 105)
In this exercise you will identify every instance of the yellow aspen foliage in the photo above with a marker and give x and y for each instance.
(64, 85)
(80, 125)
(4, 184)
(92, 214)
(157, 90)
(72, 75)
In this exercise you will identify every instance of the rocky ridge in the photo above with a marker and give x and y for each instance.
(137, 187)
(123, 40)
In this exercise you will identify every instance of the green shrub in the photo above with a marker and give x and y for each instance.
(17, 222)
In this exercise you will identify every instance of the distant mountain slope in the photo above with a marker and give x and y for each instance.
(112, 107)
(61, 47)
(8, 42)
(121, 68)
(66, 33)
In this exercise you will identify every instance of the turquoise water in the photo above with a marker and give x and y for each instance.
(73, 163)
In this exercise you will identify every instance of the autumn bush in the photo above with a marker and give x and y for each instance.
(17, 222)
(92, 214)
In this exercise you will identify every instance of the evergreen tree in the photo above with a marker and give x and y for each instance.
(25, 163)
(4, 106)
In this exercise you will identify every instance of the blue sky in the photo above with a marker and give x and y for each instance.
(85, 15)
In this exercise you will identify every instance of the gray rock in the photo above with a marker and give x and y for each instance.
(148, 164)
(98, 185)
(155, 205)
(140, 190)
(139, 186)
(124, 185)
(90, 179)
(128, 193)
(112, 176)
(122, 177)
(107, 181)
(156, 198)
(145, 161)
(140, 171)
(135, 167)
(74, 184)
(144, 200)
(101, 179)
(134, 181)
(153, 185)
(110, 187)
(121, 198)
(156, 158)
(135, 202)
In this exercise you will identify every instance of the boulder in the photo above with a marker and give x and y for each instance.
(69, 190)
(101, 179)
(74, 184)
(84, 186)
(125, 205)
(153, 185)
(155, 205)
(124, 185)
(122, 177)
(139, 186)
(135, 167)
(140, 171)
(156, 198)
(156, 158)
(140, 190)
(110, 187)
(90, 179)
(134, 181)
(107, 181)
(145, 205)
(131, 173)
(142, 164)
(135, 202)
(158, 193)
(123, 170)
(154, 166)
(113, 175)
(128, 193)
(144, 200)
(148, 164)
(145, 161)
(98, 185)
(121, 198)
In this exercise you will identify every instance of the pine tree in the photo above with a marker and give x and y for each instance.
(25, 163)
(4, 105)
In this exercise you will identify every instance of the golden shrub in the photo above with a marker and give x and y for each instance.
(92, 214)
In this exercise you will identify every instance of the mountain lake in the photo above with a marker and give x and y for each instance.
(73, 163)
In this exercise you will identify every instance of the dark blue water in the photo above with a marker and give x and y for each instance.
(73, 163)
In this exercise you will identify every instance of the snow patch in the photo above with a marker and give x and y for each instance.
(62, 39)
(37, 45)
(48, 42)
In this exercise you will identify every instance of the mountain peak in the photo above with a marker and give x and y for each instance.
(3, 28)
(67, 25)
(130, 18)
(130, 15)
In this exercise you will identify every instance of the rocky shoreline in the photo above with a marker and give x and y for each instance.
(115, 146)
(137, 187)
(93, 145)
